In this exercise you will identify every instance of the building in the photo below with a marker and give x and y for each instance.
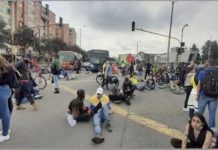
(37, 17)
(72, 37)
(5, 13)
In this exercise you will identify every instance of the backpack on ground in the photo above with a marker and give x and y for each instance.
(209, 83)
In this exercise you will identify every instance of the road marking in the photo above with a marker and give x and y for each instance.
(157, 126)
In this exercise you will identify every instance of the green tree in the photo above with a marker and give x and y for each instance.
(210, 49)
(24, 37)
(54, 45)
(5, 36)
(198, 57)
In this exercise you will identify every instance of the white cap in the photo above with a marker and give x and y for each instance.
(99, 90)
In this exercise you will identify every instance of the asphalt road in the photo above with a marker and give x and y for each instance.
(153, 118)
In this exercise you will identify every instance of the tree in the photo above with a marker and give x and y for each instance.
(210, 47)
(5, 36)
(55, 45)
(198, 57)
(24, 37)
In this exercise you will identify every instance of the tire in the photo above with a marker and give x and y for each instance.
(178, 90)
(150, 84)
(99, 79)
(41, 82)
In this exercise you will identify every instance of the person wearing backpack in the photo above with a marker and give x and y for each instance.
(56, 70)
(207, 91)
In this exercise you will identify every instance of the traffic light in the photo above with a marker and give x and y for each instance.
(133, 26)
(60, 21)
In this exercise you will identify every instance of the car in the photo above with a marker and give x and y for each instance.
(86, 65)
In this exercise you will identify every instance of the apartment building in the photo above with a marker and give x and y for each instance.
(72, 37)
(36, 16)
(5, 12)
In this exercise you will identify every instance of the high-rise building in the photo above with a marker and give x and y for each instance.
(5, 13)
(72, 37)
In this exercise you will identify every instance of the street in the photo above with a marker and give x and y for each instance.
(149, 122)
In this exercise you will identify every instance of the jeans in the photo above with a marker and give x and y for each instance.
(212, 107)
(56, 81)
(101, 115)
(5, 114)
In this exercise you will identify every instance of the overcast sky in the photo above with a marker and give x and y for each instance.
(107, 24)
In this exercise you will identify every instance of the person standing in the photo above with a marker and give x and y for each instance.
(100, 109)
(108, 74)
(56, 70)
(131, 69)
(148, 69)
(207, 91)
(188, 85)
(6, 79)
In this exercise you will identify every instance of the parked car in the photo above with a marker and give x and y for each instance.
(91, 67)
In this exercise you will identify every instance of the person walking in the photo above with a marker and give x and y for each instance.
(108, 75)
(56, 70)
(188, 86)
(6, 80)
(100, 109)
(207, 91)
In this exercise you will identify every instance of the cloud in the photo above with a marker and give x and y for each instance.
(108, 23)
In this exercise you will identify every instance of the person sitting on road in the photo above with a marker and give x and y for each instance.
(116, 96)
(128, 88)
(77, 110)
(64, 74)
(100, 109)
(197, 134)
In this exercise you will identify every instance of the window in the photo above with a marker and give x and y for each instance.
(20, 23)
(8, 11)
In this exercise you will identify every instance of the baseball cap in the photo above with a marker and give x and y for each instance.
(99, 90)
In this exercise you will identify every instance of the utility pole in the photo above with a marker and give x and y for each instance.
(137, 46)
(168, 47)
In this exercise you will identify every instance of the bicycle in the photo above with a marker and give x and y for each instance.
(100, 78)
(173, 87)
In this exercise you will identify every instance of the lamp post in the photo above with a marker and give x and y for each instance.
(182, 32)
(168, 47)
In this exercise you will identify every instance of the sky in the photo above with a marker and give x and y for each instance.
(107, 24)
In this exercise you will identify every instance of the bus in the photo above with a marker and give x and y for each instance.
(97, 58)
(66, 58)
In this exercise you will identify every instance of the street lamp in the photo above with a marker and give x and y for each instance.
(80, 36)
(182, 32)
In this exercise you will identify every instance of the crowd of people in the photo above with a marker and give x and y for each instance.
(201, 87)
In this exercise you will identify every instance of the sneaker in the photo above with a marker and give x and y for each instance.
(108, 126)
(4, 138)
(35, 106)
(128, 102)
(9, 131)
(97, 139)
(185, 109)
(37, 96)
(56, 92)
(20, 107)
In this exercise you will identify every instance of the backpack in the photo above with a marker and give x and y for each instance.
(210, 83)
(54, 70)
(15, 81)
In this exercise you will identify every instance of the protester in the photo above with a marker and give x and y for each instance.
(192, 103)
(56, 70)
(100, 109)
(188, 86)
(116, 95)
(148, 67)
(197, 134)
(108, 75)
(207, 91)
(128, 88)
(27, 85)
(6, 79)
(77, 109)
